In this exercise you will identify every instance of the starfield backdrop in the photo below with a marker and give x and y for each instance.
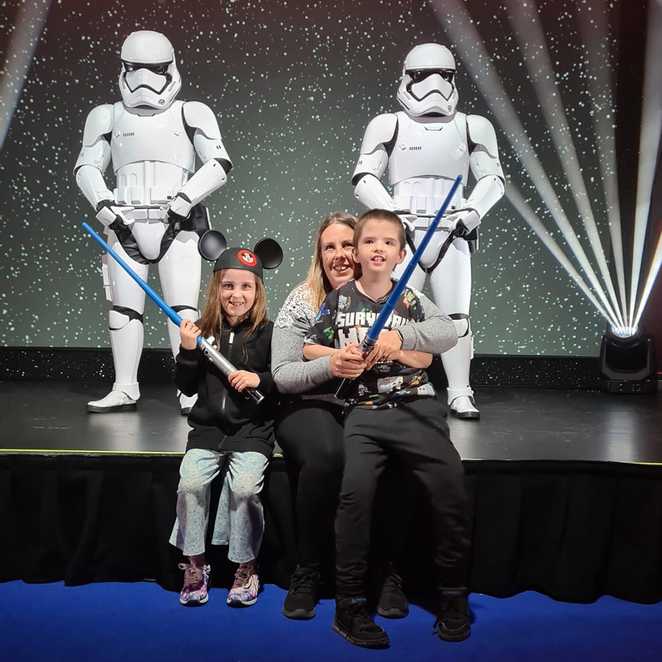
(294, 85)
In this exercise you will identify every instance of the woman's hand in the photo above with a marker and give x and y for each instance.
(387, 348)
(240, 380)
(189, 333)
(347, 362)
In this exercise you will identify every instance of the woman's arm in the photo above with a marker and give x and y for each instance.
(291, 373)
(312, 352)
(436, 334)
(413, 359)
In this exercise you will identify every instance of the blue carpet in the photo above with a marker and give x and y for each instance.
(126, 622)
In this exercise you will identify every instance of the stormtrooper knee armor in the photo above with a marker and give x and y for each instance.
(153, 141)
(424, 147)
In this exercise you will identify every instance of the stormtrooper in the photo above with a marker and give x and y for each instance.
(153, 215)
(424, 148)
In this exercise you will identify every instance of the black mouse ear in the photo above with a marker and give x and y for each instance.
(211, 245)
(269, 252)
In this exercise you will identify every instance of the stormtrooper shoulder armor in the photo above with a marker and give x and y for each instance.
(481, 132)
(484, 156)
(382, 130)
(200, 117)
(378, 141)
(99, 123)
(95, 151)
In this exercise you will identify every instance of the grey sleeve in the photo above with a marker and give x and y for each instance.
(436, 334)
(291, 373)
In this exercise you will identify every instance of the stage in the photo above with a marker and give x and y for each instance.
(565, 486)
(517, 425)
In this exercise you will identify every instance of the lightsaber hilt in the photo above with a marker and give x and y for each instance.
(213, 355)
(384, 314)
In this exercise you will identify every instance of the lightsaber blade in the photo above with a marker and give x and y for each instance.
(214, 356)
(377, 326)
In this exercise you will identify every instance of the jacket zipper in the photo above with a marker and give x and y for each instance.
(229, 356)
(230, 341)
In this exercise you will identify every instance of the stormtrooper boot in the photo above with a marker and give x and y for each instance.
(457, 361)
(117, 400)
(461, 404)
(126, 339)
(186, 402)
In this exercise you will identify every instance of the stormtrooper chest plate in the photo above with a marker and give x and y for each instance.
(438, 149)
(160, 138)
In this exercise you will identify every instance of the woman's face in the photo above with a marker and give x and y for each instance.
(336, 244)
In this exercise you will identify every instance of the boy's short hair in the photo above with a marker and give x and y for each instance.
(380, 215)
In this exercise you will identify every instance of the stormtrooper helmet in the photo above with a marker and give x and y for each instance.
(149, 76)
(428, 81)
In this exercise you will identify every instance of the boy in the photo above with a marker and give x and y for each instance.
(392, 410)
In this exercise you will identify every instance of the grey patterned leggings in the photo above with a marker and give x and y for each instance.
(240, 517)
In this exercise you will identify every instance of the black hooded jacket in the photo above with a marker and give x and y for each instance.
(222, 418)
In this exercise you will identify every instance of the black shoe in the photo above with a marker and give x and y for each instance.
(353, 621)
(392, 600)
(453, 620)
(303, 594)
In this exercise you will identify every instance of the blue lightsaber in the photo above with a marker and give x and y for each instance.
(377, 326)
(205, 346)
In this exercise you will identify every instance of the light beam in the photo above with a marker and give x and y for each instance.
(595, 32)
(529, 34)
(453, 14)
(649, 143)
(22, 44)
(525, 211)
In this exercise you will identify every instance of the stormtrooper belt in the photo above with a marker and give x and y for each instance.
(471, 239)
(197, 221)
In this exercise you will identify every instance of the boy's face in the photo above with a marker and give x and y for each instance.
(378, 249)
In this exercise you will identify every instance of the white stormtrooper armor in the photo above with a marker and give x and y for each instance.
(153, 141)
(424, 148)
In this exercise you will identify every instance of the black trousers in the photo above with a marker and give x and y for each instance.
(416, 433)
(310, 432)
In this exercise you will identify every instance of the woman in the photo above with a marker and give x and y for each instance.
(309, 428)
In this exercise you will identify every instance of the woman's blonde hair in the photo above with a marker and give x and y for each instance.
(316, 282)
(212, 316)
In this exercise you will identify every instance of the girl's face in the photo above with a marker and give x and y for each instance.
(336, 244)
(238, 290)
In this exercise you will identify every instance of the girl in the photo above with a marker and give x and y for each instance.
(231, 435)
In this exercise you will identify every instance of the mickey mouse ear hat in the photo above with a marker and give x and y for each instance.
(267, 254)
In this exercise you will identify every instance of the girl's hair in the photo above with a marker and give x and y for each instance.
(316, 281)
(212, 316)
(380, 215)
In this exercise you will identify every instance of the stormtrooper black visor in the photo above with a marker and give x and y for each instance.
(159, 68)
(417, 75)
(153, 77)
(425, 82)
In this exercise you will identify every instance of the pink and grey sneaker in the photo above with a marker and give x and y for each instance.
(245, 587)
(196, 578)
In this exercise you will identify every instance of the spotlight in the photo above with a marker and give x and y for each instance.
(627, 361)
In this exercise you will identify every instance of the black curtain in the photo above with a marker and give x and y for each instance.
(574, 531)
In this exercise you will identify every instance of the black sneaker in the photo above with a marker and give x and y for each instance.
(353, 621)
(303, 594)
(453, 620)
(392, 600)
